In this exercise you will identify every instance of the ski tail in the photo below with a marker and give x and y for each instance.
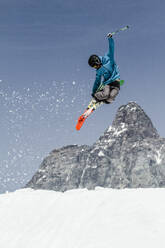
(121, 82)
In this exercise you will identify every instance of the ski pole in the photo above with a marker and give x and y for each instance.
(120, 29)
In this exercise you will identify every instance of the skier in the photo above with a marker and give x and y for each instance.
(107, 83)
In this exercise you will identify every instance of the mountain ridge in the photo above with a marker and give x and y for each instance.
(130, 154)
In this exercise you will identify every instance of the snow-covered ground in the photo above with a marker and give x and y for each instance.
(103, 218)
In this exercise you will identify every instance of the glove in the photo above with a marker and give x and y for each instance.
(109, 35)
(93, 95)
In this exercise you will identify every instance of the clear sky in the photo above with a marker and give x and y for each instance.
(45, 80)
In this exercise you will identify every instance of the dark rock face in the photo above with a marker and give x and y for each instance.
(130, 154)
(60, 170)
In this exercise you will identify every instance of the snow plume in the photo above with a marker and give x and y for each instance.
(82, 219)
(29, 116)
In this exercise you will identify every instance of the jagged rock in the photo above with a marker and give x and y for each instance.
(129, 154)
(61, 170)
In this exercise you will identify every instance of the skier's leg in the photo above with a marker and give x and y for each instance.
(113, 93)
(103, 94)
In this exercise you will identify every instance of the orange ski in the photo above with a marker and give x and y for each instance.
(82, 118)
(93, 105)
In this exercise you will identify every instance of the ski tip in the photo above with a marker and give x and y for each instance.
(78, 127)
(80, 122)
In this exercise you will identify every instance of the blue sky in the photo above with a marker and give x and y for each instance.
(45, 80)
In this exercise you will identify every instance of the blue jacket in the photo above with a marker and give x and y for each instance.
(109, 71)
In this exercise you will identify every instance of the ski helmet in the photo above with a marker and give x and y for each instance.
(94, 60)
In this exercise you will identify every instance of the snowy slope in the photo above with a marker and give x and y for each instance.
(104, 218)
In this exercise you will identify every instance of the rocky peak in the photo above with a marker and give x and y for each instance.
(129, 154)
(130, 124)
(132, 116)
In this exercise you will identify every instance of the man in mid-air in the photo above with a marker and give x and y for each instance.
(107, 83)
